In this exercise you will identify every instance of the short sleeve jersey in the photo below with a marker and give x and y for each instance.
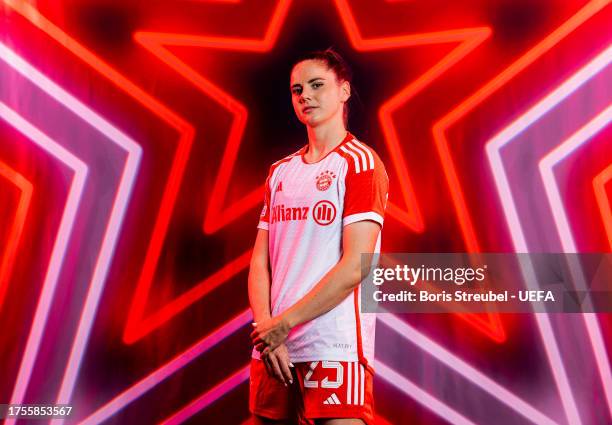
(305, 208)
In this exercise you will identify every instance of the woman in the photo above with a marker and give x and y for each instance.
(324, 206)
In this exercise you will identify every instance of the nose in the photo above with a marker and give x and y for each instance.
(305, 95)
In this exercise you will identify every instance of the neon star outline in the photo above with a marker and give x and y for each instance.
(217, 217)
(25, 188)
(60, 245)
(493, 149)
(113, 225)
(170, 191)
(71, 45)
(461, 110)
(547, 166)
(599, 187)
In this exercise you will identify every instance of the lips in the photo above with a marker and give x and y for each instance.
(308, 109)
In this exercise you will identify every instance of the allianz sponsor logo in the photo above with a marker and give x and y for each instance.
(323, 213)
(283, 213)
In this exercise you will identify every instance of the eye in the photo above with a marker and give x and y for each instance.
(317, 85)
(296, 90)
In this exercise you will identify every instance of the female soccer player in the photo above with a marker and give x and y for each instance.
(324, 206)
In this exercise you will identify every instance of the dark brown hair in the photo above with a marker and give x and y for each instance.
(335, 63)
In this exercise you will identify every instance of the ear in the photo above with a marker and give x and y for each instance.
(345, 87)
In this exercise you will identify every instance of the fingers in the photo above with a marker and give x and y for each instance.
(256, 338)
(278, 374)
(284, 366)
(262, 347)
(268, 366)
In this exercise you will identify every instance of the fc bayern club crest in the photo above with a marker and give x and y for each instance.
(324, 180)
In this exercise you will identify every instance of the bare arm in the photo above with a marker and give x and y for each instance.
(259, 278)
(277, 363)
(341, 280)
(333, 288)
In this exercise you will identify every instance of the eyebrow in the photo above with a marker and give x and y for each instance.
(310, 81)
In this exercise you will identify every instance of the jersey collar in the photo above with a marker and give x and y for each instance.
(346, 139)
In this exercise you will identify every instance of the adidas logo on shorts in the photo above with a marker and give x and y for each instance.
(332, 399)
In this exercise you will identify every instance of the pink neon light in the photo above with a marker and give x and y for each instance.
(441, 127)
(178, 362)
(192, 353)
(184, 129)
(495, 145)
(218, 215)
(547, 165)
(472, 374)
(422, 397)
(59, 246)
(493, 148)
(120, 204)
(553, 158)
(395, 379)
(208, 398)
(461, 110)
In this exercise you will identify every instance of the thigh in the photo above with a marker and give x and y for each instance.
(334, 390)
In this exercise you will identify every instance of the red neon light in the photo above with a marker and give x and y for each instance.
(461, 110)
(16, 228)
(603, 202)
(489, 324)
(185, 130)
(218, 215)
(212, 395)
(469, 37)
(440, 128)
(138, 326)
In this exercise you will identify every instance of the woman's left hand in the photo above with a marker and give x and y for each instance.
(269, 334)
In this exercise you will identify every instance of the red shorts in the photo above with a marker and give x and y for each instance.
(322, 389)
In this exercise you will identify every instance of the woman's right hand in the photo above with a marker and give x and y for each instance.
(278, 365)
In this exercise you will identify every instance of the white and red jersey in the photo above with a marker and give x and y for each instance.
(305, 209)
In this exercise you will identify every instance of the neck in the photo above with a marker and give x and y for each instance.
(323, 139)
